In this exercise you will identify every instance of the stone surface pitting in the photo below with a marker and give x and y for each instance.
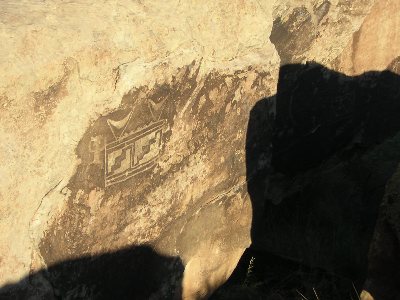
(73, 71)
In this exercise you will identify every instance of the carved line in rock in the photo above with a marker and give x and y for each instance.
(132, 154)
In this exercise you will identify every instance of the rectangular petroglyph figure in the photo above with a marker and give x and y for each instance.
(133, 154)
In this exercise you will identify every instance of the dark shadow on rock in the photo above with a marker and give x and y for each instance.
(132, 273)
(318, 156)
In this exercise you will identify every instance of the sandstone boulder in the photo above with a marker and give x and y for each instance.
(123, 129)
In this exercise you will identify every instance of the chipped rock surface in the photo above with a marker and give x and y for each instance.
(377, 43)
(315, 30)
(123, 124)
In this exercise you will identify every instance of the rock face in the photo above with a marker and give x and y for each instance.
(123, 127)
(376, 44)
(123, 130)
(384, 263)
(335, 144)
(315, 30)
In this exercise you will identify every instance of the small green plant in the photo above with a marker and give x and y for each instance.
(249, 271)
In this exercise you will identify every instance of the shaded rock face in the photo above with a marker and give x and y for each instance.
(384, 256)
(333, 145)
(320, 111)
(136, 272)
(126, 126)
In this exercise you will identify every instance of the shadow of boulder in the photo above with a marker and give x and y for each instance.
(318, 156)
(131, 273)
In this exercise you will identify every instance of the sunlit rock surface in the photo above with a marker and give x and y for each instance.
(315, 30)
(124, 125)
(377, 43)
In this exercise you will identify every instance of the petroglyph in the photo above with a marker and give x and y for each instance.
(133, 154)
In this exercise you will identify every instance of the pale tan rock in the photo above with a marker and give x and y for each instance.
(181, 77)
(203, 275)
(377, 43)
(366, 296)
(66, 65)
(316, 30)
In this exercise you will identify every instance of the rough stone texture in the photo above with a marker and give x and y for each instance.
(335, 144)
(383, 279)
(322, 188)
(373, 46)
(315, 30)
(175, 81)
(377, 43)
